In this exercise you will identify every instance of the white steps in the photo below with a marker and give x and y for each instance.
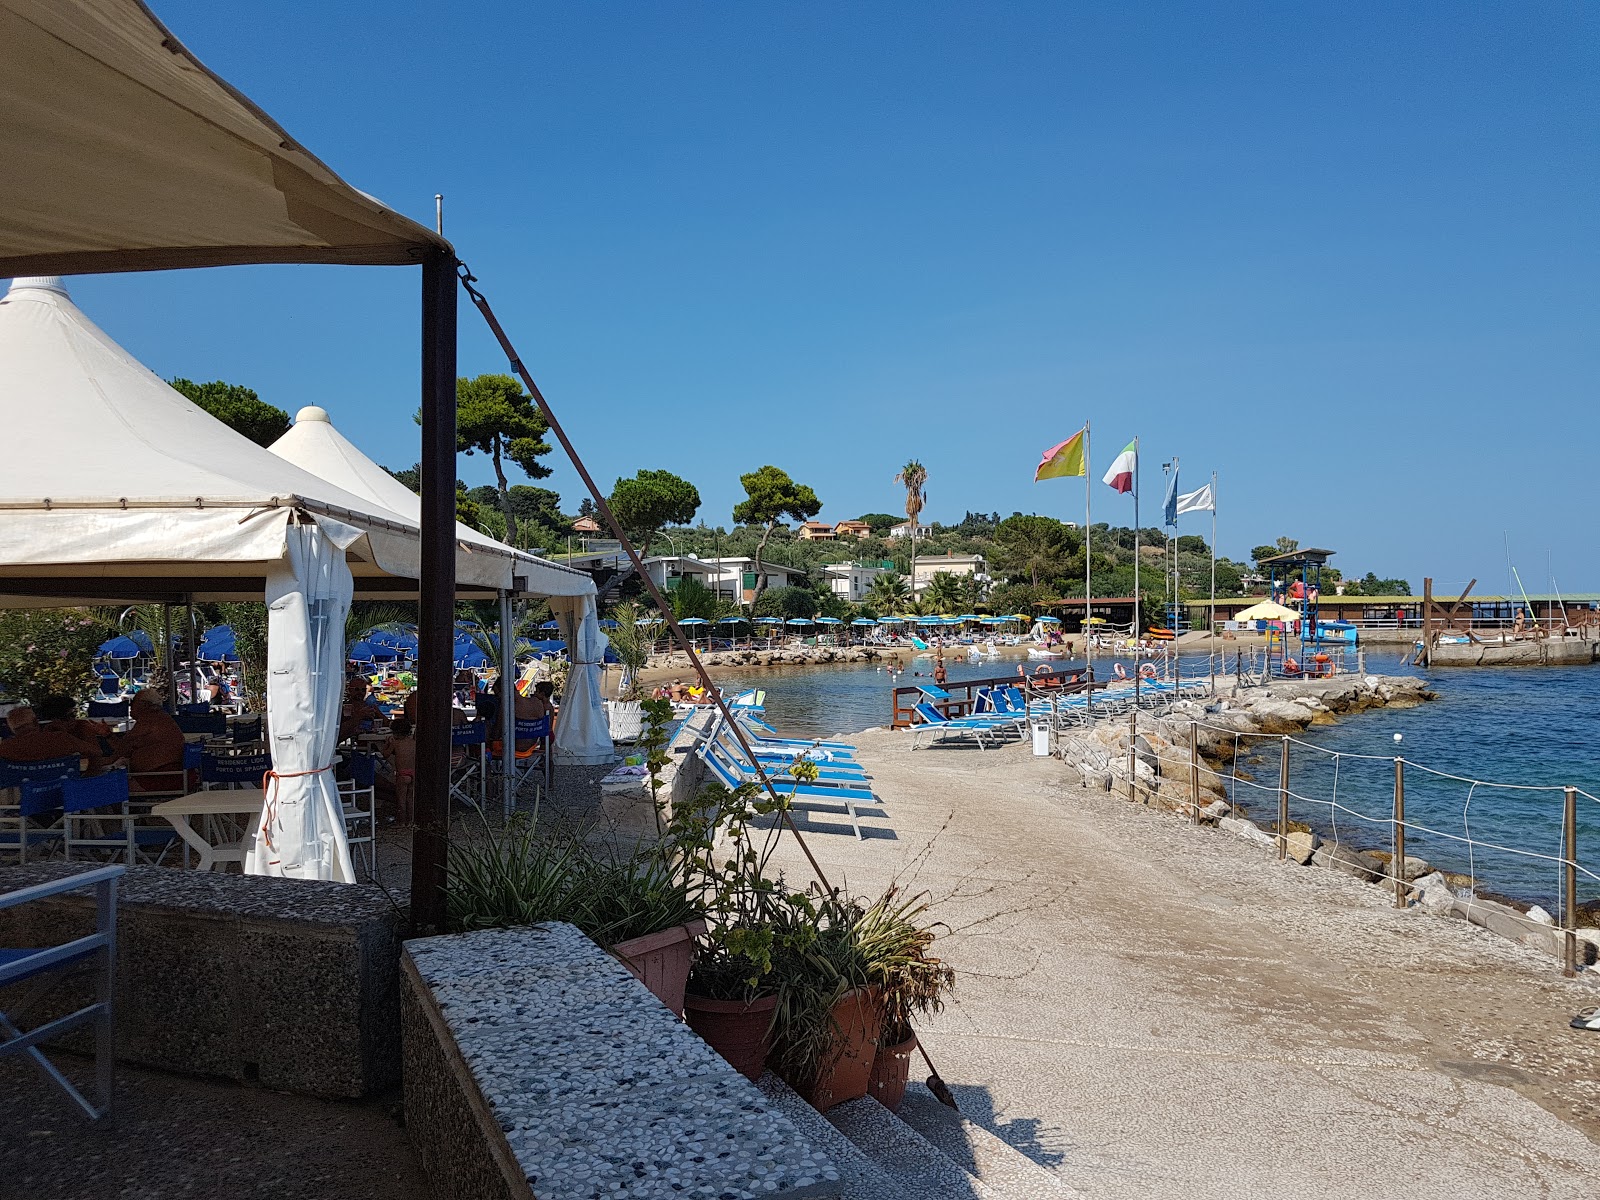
(1000, 1166)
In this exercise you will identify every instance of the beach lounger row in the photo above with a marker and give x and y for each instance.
(842, 785)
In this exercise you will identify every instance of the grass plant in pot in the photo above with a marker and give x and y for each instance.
(828, 1018)
(910, 982)
(645, 908)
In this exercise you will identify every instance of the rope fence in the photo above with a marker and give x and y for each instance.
(1371, 794)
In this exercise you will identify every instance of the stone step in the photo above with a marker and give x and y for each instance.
(915, 1166)
(878, 1156)
(1006, 1172)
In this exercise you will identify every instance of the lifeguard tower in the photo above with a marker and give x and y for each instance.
(1296, 582)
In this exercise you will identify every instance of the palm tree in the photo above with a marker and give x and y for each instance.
(943, 592)
(913, 476)
(889, 593)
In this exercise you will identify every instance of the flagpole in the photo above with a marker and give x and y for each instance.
(1088, 646)
(1134, 632)
(1212, 616)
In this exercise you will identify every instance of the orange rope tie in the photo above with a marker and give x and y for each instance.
(269, 808)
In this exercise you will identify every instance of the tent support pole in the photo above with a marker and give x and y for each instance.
(192, 646)
(436, 607)
(508, 708)
(165, 658)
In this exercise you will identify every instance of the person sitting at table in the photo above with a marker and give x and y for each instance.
(153, 747)
(411, 708)
(360, 713)
(30, 742)
(60, 713)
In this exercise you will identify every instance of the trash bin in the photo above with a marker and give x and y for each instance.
(1041, 739)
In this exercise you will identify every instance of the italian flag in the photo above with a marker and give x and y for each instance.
(1120, 476)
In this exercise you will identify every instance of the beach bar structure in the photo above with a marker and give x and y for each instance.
(123, 152)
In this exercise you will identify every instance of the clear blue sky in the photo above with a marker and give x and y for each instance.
(1345, 255)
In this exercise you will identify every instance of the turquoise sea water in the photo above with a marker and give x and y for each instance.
(1535, 727)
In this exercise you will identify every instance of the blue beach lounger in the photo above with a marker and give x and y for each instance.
(734, 774)
(993, 728)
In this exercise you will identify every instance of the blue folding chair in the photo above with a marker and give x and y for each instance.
(98, 949)
(233, 770)
(20, 828)
(209, 723)
(194, 710)
(108, 710)
(90, 804)
(469, 765)
(245, 732)
(530, 763)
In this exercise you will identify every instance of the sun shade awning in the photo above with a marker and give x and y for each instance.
(122, 152)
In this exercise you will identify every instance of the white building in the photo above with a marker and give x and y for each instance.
(929, 565)
(851, 581)
(907, 529)
(735, 578)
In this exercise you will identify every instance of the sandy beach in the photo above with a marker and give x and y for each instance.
(1155, 1010)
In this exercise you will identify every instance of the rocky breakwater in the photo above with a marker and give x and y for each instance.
(769, 658)
(1224, 726)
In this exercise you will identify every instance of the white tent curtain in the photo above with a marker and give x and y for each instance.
(583, 735)
(302, 834)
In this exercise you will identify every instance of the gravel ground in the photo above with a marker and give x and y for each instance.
(172, 1138)
(1152, 1009)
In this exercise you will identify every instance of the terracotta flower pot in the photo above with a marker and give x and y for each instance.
(739, 1031)
(845, 1067)
(891, 1068)
(661, 961)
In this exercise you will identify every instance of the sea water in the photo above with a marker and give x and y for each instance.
(1532, 727)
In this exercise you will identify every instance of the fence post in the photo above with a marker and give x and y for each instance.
(1194, 772)
(1283, 801)
(1569, 869)
(1397, 865)
(1133, 734)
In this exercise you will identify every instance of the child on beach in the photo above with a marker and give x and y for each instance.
(401, 755)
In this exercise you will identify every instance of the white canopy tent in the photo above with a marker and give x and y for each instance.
(583, 735)
(120, 489)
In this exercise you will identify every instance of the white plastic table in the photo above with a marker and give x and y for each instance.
(245, 802)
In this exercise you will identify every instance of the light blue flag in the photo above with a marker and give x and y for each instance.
(1169, 510)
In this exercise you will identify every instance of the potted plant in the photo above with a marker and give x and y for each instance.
(646, 909)
(910, 982)
(732, 996)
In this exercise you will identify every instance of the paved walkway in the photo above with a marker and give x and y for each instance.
(1156, 1010)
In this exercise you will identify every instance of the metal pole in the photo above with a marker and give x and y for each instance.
(1398, 865)
(430, 844)
(191, 646)
(1134, 632)
(1283, 800)
(1194, 771)
(1569, 871)
(1133, 735)
(165, 658)
(508, 709)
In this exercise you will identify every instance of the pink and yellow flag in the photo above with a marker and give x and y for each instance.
(1064, 459)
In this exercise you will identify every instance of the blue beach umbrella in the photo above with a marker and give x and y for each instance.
(864, 621)
(769, 621)
(120, 648)
(731, 621)
(608, 623)
(551, 625)
(370, 653)
(829, 621)
(1050, 620)
(798, 621)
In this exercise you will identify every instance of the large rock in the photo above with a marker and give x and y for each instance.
(1248, 830)
(1434, 894)
(1415, 868)
(1280, 716)
(1301, 846)
(1337, 856)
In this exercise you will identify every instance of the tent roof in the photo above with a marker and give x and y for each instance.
(111, 474)
(314, 445)
(124, 153)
